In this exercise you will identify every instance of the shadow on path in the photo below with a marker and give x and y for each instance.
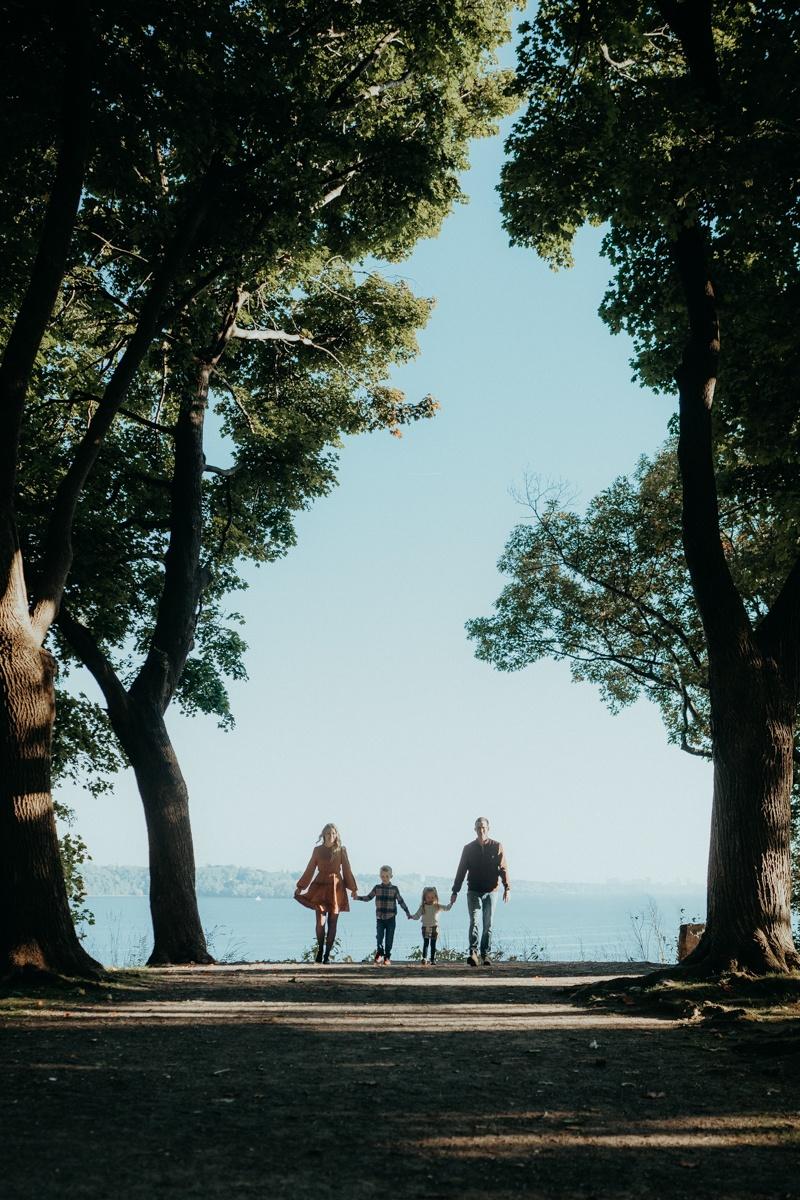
(352, 1081)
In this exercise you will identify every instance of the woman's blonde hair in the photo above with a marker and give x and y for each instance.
(330, 828)
(427, 891)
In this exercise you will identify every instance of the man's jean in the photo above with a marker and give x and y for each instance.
(486, 903)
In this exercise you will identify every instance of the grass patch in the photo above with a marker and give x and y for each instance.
(726, 998)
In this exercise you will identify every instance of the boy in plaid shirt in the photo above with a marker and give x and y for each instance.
(387, 897)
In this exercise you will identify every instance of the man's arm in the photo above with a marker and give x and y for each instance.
(502, 870)
(461, 872)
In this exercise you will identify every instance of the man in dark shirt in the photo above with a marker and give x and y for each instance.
(484, 863)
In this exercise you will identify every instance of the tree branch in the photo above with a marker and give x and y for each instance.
(229, 518)
(88, 650)
(621, 593)
(690, 21)
(159, 428)
(225, 472)
(279, 335)
(720, 605)
(57, 555)
(184, 578)
(686, 708)
(270, 335)
(337, 95)
(230, 388)
(335, 192)
(779, 631)
(706, 755)
(618, 66)
(390, 85)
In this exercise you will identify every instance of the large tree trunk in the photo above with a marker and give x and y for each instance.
(178, 935)
(753, 676)
(749, 867)
(36, 929)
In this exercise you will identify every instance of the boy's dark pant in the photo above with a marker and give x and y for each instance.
(385, 932)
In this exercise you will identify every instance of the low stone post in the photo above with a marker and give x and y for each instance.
(688, 937)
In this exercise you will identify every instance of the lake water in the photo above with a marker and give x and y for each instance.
(602, 925)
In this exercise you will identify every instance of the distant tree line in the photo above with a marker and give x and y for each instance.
(249, 882)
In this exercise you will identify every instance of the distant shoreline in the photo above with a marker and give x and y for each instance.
(246, 883)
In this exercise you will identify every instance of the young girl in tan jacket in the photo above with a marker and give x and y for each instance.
(429, 910)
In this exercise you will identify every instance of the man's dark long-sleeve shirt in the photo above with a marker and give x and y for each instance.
(483, 865)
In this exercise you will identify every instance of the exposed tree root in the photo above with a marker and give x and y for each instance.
(163, 959)
(756, 955)
(29, 977)
(708, 989)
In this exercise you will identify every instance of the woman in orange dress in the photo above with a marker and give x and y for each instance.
(324, 885)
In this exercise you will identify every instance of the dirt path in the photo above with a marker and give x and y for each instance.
(352, 1081)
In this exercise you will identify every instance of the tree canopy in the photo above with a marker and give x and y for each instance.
(613, 135)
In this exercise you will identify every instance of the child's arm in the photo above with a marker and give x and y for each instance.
(403, 904)
(444, 907)
(415, 916)
(369, 896)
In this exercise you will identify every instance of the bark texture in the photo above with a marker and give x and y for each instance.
(749, 868)
(36, 929)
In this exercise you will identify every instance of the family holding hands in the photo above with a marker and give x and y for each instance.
(324, 885)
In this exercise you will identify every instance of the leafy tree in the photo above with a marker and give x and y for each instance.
(164, 172)
(84, 752)
(161, 531)
(672, 123)
(609, 593)
(74, 853)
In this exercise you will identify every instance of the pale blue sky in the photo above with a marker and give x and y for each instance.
(365, 704)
